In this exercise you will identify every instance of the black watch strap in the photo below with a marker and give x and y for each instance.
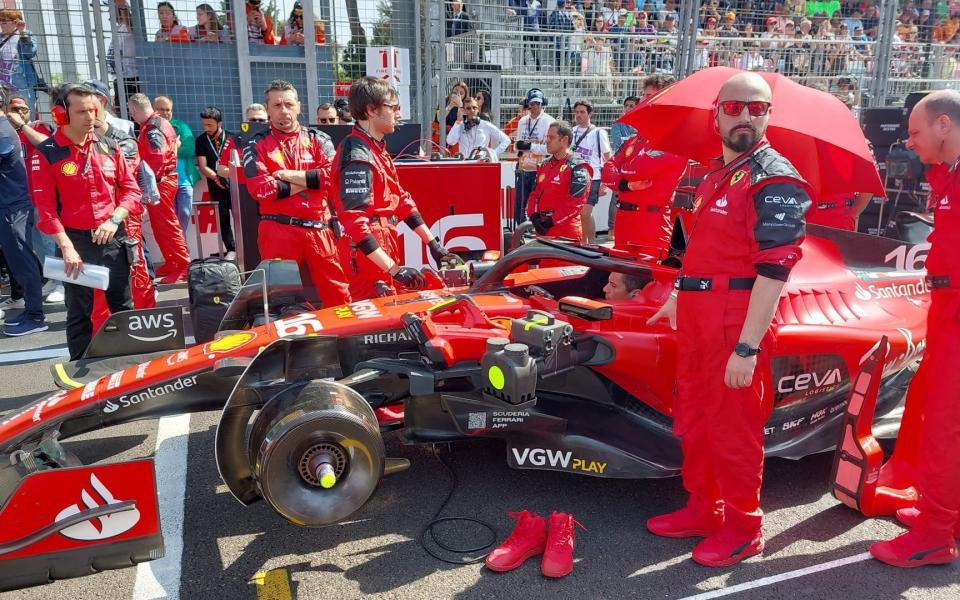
(745, 350)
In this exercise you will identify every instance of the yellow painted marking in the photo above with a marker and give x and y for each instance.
(537, 320)
(496, 377)
(440, 305)
(62, 374)
(273, 585)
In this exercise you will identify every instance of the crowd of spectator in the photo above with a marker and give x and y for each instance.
(213, 27)
(821, 42)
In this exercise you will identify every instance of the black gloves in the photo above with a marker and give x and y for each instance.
(441, 255)
(409, 278)
(523, 145)
(542, 222)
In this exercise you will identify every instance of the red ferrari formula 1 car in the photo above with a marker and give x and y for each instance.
(524, 352)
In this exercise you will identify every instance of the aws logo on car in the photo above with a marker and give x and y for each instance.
(556, 459)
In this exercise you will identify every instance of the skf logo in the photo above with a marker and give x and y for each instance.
(556, 459)
(69, 168)
(735, 179)
(98, 528)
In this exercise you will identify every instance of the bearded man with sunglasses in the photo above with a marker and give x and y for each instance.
(748, 225)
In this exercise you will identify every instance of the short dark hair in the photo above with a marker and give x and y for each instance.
(63, 92)
(563, 129)
(658, 80)
(212, 112)
(633, 282)
(367, 92)
(633, 99)
(586, 104)
(325, 106)
(280, 85)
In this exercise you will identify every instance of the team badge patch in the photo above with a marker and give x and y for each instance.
(305, 142)
(737, 177)
(697, 203)
(104, 148)
(69, 168)
(630, 150)
(541, 177)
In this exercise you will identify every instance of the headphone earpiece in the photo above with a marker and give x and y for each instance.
(59, 112)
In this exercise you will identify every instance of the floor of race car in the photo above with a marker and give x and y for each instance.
(218, 549)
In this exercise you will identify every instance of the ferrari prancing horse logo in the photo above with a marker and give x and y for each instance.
(737, 177)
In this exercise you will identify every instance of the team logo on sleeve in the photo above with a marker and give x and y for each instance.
(69, 168)
(737, 177)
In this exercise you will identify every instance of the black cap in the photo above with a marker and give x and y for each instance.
(98, 86)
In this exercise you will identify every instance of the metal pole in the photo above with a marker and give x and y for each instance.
(883, 54)
(101, 33)
(243, 52)
(68, 56)
(310, 56)
(420, 56)
(88, 35)
(118, 66)
(236, 163)
(33, 15)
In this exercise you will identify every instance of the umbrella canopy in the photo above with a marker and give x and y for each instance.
(812, 129)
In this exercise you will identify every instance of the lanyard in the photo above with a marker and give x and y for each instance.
(531, 127)
(586, 132)
(218, 149)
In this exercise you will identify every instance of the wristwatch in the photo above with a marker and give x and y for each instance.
(115, 220)
(745, 351)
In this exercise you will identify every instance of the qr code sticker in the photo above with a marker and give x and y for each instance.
(477, 421)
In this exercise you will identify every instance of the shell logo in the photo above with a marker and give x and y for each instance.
(231, 342)
(69, 168)
(277, 156)
(737, 177)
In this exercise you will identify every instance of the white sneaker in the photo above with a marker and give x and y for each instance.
(11, 304)
(55, 297)
(230, 255)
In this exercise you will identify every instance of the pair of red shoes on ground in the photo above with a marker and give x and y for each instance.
(532, 536)
(171, 274)
(918, 547)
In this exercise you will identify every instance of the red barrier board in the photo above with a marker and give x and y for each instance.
(459, 201)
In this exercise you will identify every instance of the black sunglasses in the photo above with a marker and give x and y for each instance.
(257, 120)
(332, 120)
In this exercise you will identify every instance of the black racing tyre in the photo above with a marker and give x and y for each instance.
(328, 424)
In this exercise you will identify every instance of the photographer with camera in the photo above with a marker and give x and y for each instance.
(471, 132)
(563, 182)
(531, 132)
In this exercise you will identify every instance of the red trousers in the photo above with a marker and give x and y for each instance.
(364, 273)
(315, 250)
(167, 230)
(572, 229)
(649, 226)
(938, 465)
(141, 286)
(720, 428)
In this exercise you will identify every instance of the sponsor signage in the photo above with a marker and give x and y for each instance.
(561, 460)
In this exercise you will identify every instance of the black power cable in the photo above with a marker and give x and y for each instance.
(437, 519)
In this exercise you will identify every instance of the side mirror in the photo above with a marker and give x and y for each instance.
(585, 308)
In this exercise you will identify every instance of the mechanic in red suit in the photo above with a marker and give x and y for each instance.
(141, 286)
(288, 174)
(563, 183)
(745, 240)
(646, 180)
(158, 148)
(839, 210)
(370, 201)
(84, 193)
(934, 130)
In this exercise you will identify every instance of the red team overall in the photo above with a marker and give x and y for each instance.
(157, 143)
(370, 201)
(646, 180)
(288, 174)
(745, 240)
(563, 182)
(934, 129)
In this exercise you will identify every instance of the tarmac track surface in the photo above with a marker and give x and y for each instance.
(815, 547)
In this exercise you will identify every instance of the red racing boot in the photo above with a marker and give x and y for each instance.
(916, 548)
(528, 539)
(908, 518)
(557, 559)
(698, 518)
(739, 538)
(175, 276)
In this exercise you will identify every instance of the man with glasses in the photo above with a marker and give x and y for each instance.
(288, 174)
(370, 200)
(746, 238)
(209, 151)
(471, 132)
(327, 114)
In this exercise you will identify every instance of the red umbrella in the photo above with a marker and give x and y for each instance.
(813, 129)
